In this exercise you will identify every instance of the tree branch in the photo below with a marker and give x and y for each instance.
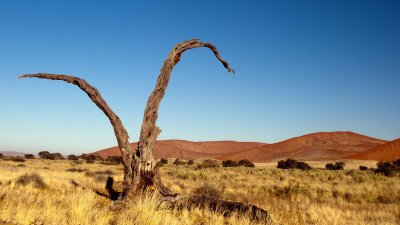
(149, 131)
(119, 130)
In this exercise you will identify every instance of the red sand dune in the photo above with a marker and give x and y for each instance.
(315, 146)
(389, 151)
(188, 149)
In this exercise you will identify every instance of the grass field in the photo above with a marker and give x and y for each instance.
(291, 196)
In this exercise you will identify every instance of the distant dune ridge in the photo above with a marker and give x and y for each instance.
(388, 152)
(315, 146)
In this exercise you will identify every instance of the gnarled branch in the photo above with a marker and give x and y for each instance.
(120, 132)
(149, 131)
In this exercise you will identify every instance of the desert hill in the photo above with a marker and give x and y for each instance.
(188, 149)
(389, 151)
(315, 146)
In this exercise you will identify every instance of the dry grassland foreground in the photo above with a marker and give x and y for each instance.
(41, 192)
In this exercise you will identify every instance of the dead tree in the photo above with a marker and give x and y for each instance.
(140, 165)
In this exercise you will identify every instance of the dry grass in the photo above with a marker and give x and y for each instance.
(291, 196)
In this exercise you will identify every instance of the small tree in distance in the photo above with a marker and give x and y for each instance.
(44, 154)
(29, 156)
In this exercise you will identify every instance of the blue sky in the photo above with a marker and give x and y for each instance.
(301, 67)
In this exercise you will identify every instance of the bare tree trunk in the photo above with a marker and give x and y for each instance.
(140, 166)
(147, 165)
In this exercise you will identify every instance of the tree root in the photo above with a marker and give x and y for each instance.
(226, 208)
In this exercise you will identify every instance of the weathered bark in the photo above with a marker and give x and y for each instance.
(146, 167)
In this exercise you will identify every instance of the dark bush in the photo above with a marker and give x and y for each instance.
(246, 163)
(287, 164)
(330, 166)
(21, 165)
(340, 165)
(51, 156)
(35, 179)
(363, 168)
(89, 160)
(29, 156)
(1, 155)
(229, 163)
(386, 168)
(179, 162)
(190, 162)
(164, 161)
(43, 154)
(17, 159)
(293, 164)
(303, 166)
(336, 166)
(72, 157)
(396, 163)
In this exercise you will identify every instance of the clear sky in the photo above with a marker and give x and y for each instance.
(301, 67)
